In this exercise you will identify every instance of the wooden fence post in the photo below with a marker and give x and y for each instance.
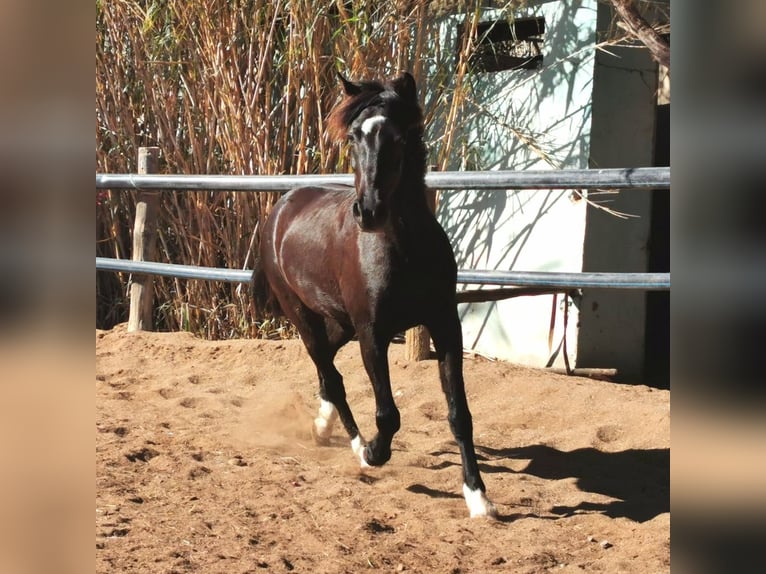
(417, 341)
(144, 244)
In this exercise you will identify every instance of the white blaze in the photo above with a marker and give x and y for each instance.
(370, 122)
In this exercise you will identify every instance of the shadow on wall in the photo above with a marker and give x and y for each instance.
(475, 218)
(520, 119)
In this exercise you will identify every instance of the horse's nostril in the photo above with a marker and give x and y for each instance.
(366, 218)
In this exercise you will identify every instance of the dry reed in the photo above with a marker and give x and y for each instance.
(244, 87)
(239, 87)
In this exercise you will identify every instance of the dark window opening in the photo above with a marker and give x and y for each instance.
(501, 45)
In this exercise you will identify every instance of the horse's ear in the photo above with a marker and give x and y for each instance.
(349, 87)
(404, 85)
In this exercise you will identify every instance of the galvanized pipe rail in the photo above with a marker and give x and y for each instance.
(621, 178)
(557, 280)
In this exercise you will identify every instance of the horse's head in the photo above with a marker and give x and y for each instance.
(377, 120)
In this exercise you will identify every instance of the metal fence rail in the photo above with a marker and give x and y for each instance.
(623, 178)
(557, 280)
(645, 178)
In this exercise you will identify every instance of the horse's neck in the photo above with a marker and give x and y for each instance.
(410, 214)
(411, 198)
(412, 201)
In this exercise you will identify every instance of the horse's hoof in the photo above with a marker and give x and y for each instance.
(374, 459)
(478, 503)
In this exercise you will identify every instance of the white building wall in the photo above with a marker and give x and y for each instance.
(612, 322)
(527, 119)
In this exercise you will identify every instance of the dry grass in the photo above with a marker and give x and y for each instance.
(244, 87)
(239, 87)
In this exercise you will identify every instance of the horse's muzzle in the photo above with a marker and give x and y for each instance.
(369, 219)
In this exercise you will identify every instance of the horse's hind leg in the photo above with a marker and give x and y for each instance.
(328, 337)
(448, 341)
(322, 338)
(322, 348)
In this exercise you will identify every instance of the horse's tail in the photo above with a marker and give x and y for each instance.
(265, 304)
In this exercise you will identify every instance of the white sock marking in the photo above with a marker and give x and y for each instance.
(357, 445)
(478, 503)
(370, 122)
(325, 419)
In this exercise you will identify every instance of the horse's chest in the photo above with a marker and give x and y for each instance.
(393, 275)
(401, 280)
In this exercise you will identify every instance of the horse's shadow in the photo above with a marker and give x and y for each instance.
(638, 479)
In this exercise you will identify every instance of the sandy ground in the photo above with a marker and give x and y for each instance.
(205, 463)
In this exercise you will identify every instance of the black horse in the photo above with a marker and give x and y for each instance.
(371, 261)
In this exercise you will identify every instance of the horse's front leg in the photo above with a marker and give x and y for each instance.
(448, 341)
(375, 357)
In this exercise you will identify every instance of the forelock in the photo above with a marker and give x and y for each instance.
(373, 94)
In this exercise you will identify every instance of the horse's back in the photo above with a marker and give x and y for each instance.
(311, 209)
